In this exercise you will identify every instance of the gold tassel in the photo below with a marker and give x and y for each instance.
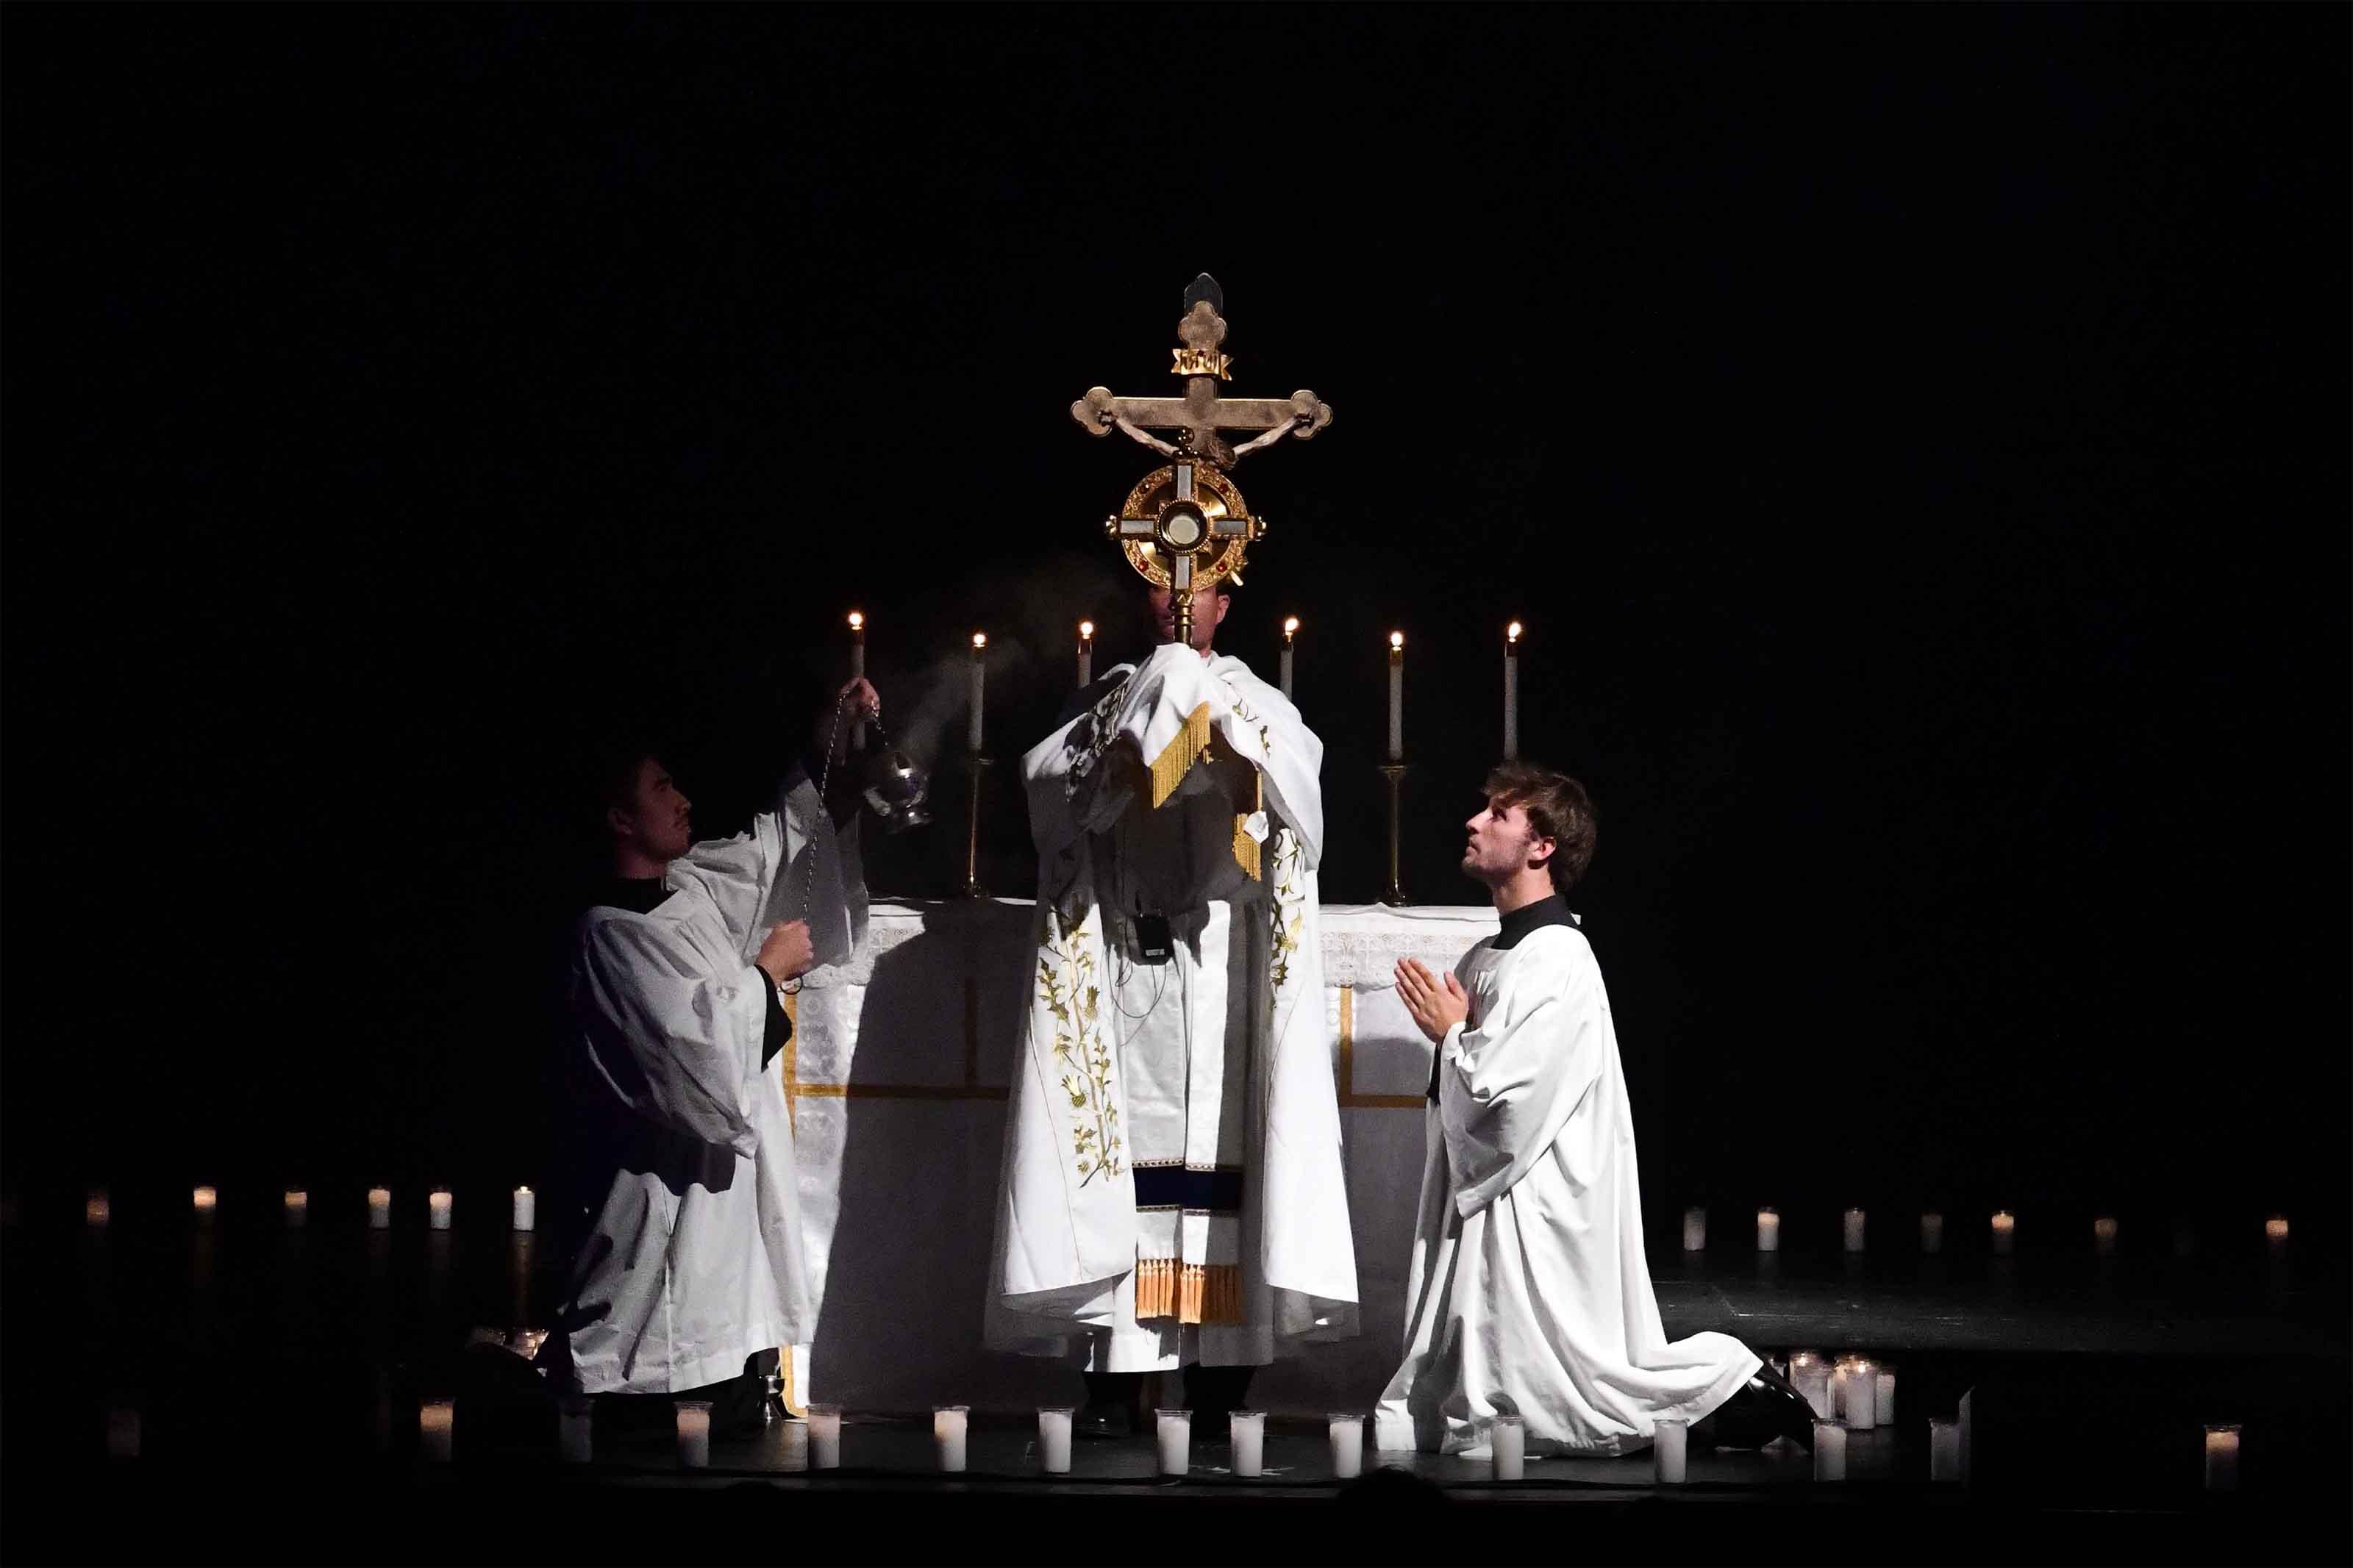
(1246, 848)
(1178, 757)
(1189, 1292)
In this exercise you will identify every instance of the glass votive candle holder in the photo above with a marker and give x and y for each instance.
(437, 1421)
(439, 1205)
(1943, 1451)
(950, 1425)
(1768, 1230)
(825, 1436)
(379, 1208)
(2223, 1457)
(1247, 1428)
(1670, 1452)
(576, 1441)
(1829, 1451)
(792, 1445)
(1695, 1230)
(298, 1206)
(1054, 1438)
(207, 1202)
(1932, 1233)
(693, 1434)
(1507, 1448)
(1347, 1445)
(97, 1209)
(1174, 1431)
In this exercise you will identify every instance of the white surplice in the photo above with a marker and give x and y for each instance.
(696, 1261)
(1528, 1290)
(1189, 790)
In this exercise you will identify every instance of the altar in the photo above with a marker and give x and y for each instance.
(897, 1078)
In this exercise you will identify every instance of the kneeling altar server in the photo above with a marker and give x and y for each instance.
(1527, 1290)
(1172, 1194)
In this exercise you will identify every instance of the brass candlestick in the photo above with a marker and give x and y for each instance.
(972, 888)
(1394, 773)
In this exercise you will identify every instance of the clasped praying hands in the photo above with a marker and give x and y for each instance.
(1437, 1002)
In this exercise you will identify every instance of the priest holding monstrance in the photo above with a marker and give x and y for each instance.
(1172, 1192)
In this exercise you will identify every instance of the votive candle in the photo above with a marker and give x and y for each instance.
(1507, 1448)
(379, 1208)
(1347, 1445)
(1668, 1453)
(1768, 1230)
(1853, 1229)
(793, 1444)
(948, 1431)
(1883, 1403)
(1054, 1438)
(1695, 1230)
(98, 1208)
(206, 1201)
(1248, 1430)
(1932, 1232)
(693, 1434)
(1944, 1450)
(1811, 1375)
(2104, 1236)
(438, 1204)
(437, 1420)
(526, 1209)
(825, 1436)
(1175, 1430)
(298, 1206)
(1829, 1451)
(2222, 1459)
(2005, 1232)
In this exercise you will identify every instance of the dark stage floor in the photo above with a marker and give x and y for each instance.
(277, 1373)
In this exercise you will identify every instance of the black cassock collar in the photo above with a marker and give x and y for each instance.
(1549, 910)
(638, 894)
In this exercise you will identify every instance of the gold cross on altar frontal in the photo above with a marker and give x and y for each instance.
(1185, 524)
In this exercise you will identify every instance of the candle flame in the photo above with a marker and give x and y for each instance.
(979, 641)
(2276, 1228)
(1086, 628)
(857, 621)
(1396, 641)
(1512, 632)
(1290, 625)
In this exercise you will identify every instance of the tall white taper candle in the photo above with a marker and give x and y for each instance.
(1290, 630)
(1512, 691)
(1086, 654)
(979, 673)
(1396, 697)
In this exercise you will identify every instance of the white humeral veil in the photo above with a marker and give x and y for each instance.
(1528, 1289)
(1113, 1051)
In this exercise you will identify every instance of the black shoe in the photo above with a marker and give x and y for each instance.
(1762, 1409)
(1114, 1406)
(1214, 1393)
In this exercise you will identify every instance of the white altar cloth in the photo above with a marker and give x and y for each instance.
(897, 1076)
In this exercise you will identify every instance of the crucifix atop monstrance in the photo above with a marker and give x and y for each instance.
(1185, 523)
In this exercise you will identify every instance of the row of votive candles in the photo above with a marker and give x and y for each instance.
(2004, 1230)
(440, 1206)
(816, 1443)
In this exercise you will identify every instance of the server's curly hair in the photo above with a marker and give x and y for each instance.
(1558, 809)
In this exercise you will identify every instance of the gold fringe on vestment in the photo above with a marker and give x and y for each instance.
(1177, 758)
(1189, 1292)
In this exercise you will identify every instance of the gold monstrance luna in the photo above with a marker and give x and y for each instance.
(1185, 523)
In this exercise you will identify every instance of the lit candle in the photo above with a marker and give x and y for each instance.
(1829, 1451)
(948, 1428)
(574, 1428)
(1811, 1375)
(2005, 1233)
(436, 1422)
(1248, 1429)
(2222, 1459)
(98, 1208)
(1768, 1230)
(1944, 1450)
(1290, 630)
(1932, 1232)
(122, 1432)
(1855, 1395)
(979, 674)
(526, 1209)
(825, 1436)
(2104, 1236)
(438, 1204)
(1695, 1230)
(858, 669)
(1175, 1431)
(1512, 691)
(693, 1434)
(207, 1201)
(1347, 1446)
(1086, 654)
(1396, 697)
(298, 1206)
(1054, 1438)
(1507, 1448)
(1668, 1453)
(794, 1443)
(379, 1208)
(1854, 1230)
(2275, 1236)
(1882, 1407)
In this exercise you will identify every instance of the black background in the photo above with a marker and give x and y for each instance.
(1915, 439)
